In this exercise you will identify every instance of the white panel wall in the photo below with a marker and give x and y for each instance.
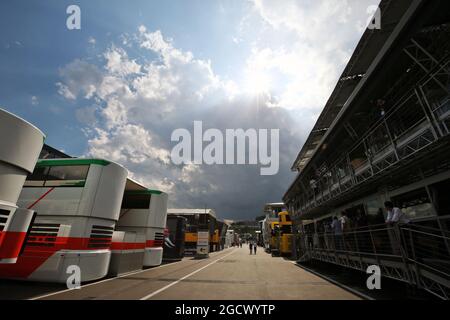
(134, 218)
(20, 145)
(108, 199)
(158, 210)
(90, 190)
(60, 201)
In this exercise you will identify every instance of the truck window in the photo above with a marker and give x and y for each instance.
(68, 173)
(57, 176)
(136, 201)
(38, 177)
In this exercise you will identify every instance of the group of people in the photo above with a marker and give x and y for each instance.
(394, 215)
(334, 231)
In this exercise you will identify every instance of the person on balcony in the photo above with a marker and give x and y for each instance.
(336, 226)
(327, 230)
(394, 214)
(345, 222)
(346, 225)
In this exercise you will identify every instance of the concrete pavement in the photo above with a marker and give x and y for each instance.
(232, 274)
(241, 276)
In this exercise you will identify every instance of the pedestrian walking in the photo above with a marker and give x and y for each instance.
(251, 247)
(254, 248)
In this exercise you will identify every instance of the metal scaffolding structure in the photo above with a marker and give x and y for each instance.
(390, 138)
(400, 135)
(417, 121)
(415, 254)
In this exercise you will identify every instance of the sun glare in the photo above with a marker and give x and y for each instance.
(257, 83)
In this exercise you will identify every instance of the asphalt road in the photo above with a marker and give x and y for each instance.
(232, 274)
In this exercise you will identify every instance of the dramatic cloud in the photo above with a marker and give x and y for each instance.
(317, 40)
(79, 77)
(138, 99)
(119, 64)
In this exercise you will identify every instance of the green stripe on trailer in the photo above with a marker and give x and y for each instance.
(71, 162)
(148, 191)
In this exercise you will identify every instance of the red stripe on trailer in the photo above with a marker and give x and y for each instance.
(39, 249)
(40, 198)
(25, 265)
(37, 252)
(11, 244)
(154, 243)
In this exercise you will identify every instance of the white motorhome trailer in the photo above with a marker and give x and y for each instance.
(144, 211)
(78, 204)
(89, 215)
(20, 145)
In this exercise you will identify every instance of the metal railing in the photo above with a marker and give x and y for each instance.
(414, 253)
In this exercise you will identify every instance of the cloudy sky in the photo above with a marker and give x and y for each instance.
(137, 70)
